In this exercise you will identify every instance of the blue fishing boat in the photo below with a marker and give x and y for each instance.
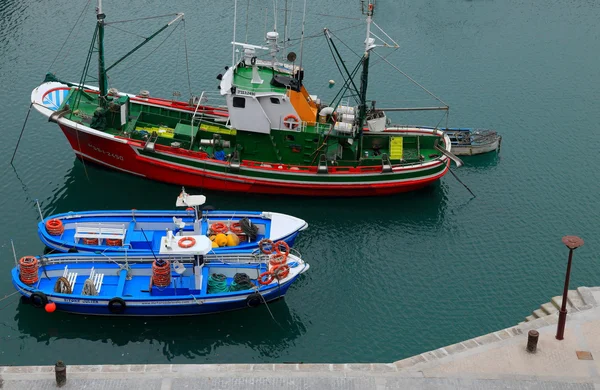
(176, 281)
(136, 231)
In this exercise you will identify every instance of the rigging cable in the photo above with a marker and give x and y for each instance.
(68, 36)
(411, 79)
(146, 18)
(187, 62)
(464, 185)
(152, 52)
(20, 135)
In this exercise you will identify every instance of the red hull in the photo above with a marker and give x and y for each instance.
(122, 156)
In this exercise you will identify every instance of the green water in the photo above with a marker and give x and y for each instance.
(390, 277)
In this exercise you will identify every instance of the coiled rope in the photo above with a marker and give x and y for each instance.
(249, 228)
(217, 283)
(241, 281)
(62, 286)
(89, 288)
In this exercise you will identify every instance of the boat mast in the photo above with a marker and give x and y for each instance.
(369, 45)
(102, 81)
(234, 26)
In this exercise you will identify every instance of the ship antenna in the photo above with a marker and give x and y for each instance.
(369, 45)
(234, 24)
(302, 35)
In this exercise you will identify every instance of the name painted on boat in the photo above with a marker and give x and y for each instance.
(243, 92)
(183, 302)
(97, 149)
(71, 300)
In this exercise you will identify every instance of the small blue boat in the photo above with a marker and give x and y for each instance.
(177, 281)
(137, 231)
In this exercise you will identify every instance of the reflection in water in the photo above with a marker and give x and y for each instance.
(425, 207)
(481, 161)
(189, 337)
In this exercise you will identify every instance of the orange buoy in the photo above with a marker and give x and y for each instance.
(114, 242)
(55, 227)
(28, 269)
(50, 307)
(161, 273)
(219, 227)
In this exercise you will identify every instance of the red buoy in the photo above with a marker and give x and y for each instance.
(50, 307)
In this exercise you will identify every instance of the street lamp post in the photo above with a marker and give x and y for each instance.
(572, 242)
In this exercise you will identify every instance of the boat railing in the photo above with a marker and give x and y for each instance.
(100, 231)
(255, 256)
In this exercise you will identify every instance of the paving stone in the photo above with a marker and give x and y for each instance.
(359, 367)
(487, 339)
(455, 348)
(137, 367)
(114, 368)
(263, 367)
(502, 335)
(286, 367)
(470, 344)
(408, 362)
(158, 368)
(314, 367)
(384, 367)
(83, 369)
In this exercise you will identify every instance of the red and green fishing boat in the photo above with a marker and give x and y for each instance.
(269, 136)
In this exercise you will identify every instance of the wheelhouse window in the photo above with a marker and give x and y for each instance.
(239, 102)
(275, 100)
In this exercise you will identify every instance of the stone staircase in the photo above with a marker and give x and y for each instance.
(577, 300)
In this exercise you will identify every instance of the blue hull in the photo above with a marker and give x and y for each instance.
(126, 287)
(142, 231)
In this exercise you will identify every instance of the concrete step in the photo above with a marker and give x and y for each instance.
(557, 302)
(529, 318)
(586, 296)
(538, 313)
(575, 299)
(549, 308)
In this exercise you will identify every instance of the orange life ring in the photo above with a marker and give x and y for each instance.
(291, 122)
(236, 228)
(189, 209)
(161, 273)
(55, 227)
(186, 242)
(219, 227)
(114, 242)
(281, 271)
(277, 260)
(278, 245)
(261, 278)
(268, 243)
(90, 241)
(28, 269)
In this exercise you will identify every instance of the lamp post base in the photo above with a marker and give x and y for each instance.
(560, 329)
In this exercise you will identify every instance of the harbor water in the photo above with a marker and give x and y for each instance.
(390, 277)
